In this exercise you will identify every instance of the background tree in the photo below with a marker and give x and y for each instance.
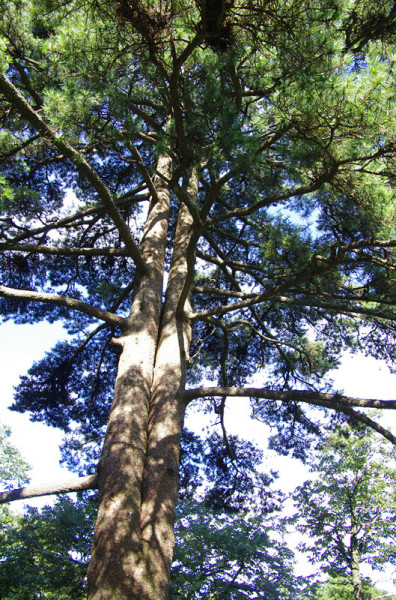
(228, 529)
(197, 139)
(44, 553)
(349, 508)
(239, 556)
(13, 468)
(339, 588)
(13, 471)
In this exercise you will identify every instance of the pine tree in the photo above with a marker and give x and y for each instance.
(244, 150)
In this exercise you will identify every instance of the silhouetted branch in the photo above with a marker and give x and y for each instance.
(64, 250)
(59, 300)
(296, 395)
(25, 110)
(332, 401)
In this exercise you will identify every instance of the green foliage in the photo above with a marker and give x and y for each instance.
(6, 193)
(286, 105)
(13, 469)
(13, 472)
(218, 556)
(44, 554)
(350, 502)
(340, 588)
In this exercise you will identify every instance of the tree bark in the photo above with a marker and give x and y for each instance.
(117, 564)
(355, 566)
(161, 475)
(138, 470)
(77, 484)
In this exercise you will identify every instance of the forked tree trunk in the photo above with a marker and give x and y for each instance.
(117, 542)
(138, 471)
(161, 476)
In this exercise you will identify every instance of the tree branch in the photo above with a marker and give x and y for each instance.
(77, 484)
(143, 170)
(380, 313)
(23, 107)
(222, 292)
(59, 300)
(17, 149)
(331, 401)
(296, 395)
(78, 217)
(318, 265)
(64, 250)
(254, 270)
(358, 416)
(233, 264)
(249, 210)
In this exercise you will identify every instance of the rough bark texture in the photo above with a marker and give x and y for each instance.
(117, 547)
(355, 566)
(77, 484)
(138, 470)
(161, 476)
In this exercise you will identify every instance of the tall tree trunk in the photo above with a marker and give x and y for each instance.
(161, 476)
(355, 566)
(138, 474)
(116, 561)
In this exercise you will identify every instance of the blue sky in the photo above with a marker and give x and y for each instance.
(20, 345)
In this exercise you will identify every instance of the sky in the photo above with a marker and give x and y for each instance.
(20, 345)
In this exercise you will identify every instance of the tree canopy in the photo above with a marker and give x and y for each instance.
(336, 588)
(13, 468)
(348, 509)
(44, 553)
(204, 194)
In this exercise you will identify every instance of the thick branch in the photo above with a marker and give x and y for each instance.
(332, 401)
(343, 308)
(296, 395)
(50, 134)
(18, 148)
(391, 243)
(77, 484)
(358, 416)
(246, 243)
(249, 210)
(222, 259)
(64, 250)
(220, 292)
(72, 303)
